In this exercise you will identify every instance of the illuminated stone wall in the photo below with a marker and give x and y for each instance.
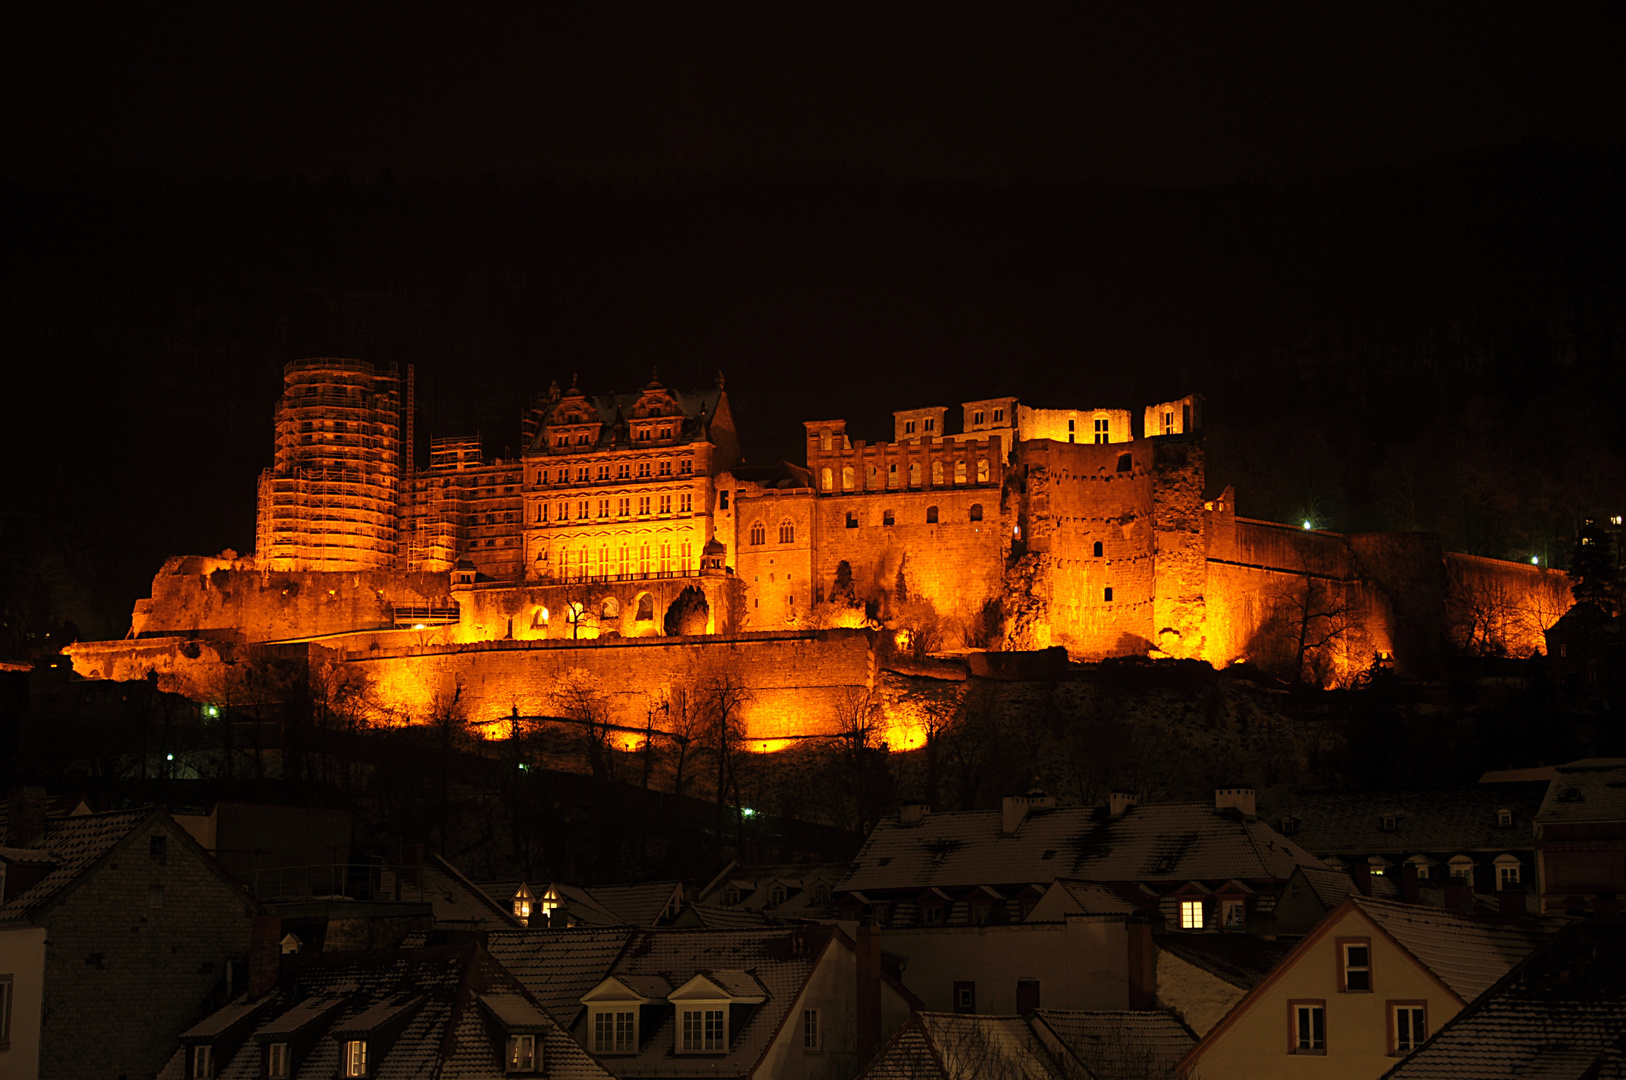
(798, 682)
(776, 573)
(589, 610)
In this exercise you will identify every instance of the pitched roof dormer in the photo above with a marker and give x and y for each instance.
(366, 1038)
(523, 1025)
(712, 1008)
(291, 1037)
(209, 1044)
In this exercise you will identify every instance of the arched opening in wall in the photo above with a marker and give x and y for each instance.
(976, 511)
(959, 471)
(931, 515)
(787, 532)
(826, 479)
(937, 472)
(1126, 463)
(689, 613)
(759, 533)
(1098, 549)
(609, 609)
(539, 618)
(982, 470)
(644, 608)
(846, 478)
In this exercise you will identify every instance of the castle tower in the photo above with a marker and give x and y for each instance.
(330, 500)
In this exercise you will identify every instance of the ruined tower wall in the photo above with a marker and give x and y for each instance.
(777, 574)
(230, 599)
(1179, 614)
(1078, 495)
(798, 683)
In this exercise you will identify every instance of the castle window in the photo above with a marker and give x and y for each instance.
(826, 479)
(643, 434)
(686, 503)
(643, 505)
(824, 441)
(541, 477)
(759, 533)
(787, 532)
(1101, 432)
(908, 427)
(937, 472)
(982, 470)
(581, 440)
(1070, 427)
(722, 500)
(623, 506)
(604, 508)
(852, 520)
(999, 415)
(508, 517)
(892, 475)
(581, 510)
(914, 474)
(603, 472)
(1106, 594)
(582, 475)
(959, 471)
(562, 440)
(542, 513)
(564, 510)
(686, 467)
(666, 433)
(643, 571)
(1126, 463)
(564, 564)
(666, 560)
(1168, 423)
(846, 478)
(976, 511)
(869, 478)
(622, 564)
(1098, 549)
(931, 515)
(887, 517)
(666, 504)
(665, 469)
(564, 476)
(976, 417)
(687, 552)
(928, 424)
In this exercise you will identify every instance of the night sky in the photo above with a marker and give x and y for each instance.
(1387, 244)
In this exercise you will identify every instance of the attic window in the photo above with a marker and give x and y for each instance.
(354, 1061)
(521, 1056)
(277, 1061)
(731, 896)
(776, 896)
(157, 847)
(203, 1062)
(1504, 818)
(1388, 824)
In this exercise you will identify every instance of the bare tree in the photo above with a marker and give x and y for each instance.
(1313, 623)
(578, 697)
(448, 720)
(722, 697)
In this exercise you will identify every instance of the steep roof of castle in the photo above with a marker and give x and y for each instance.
(1160, 842)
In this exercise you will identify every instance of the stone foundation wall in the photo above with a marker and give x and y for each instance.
(610, 609)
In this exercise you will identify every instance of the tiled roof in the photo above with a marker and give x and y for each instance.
(756, 880)
(1464, 819)
(1590, 790)
(1092, 899)
(1561, 1015)
(722, 918)
(456, 899)
(75, 844)
(1121, 1045)
(559, 966)
(637, 905)
(1330, 886)
(953, 1045)
(555, 965)
(1240, 959)
(1168, 842)
(1466, 955)
(447, 1037)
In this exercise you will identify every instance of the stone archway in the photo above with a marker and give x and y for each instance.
(689, 614)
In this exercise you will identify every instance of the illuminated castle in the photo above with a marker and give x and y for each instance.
(629, 521)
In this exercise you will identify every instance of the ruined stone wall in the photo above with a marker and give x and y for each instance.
(231, 599)
(196, 669)
(1179, 614)
(777, 575)
(1079, 495)
(1502, 607)
(956, 563)
(798, 682)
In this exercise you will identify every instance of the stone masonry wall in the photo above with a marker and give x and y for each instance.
(124, 978)
(797, 682)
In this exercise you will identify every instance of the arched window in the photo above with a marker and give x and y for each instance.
(914, 474)
(846, 478)
(826, 479)
(931, 515)
(976, 511)
(982, 470)
(646, 607)
(787, 532)
(1098, 549)
(959, 471)
(937, 472)
(610, 609)
(759, 533)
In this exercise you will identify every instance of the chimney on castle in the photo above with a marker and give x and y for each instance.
(869, 992)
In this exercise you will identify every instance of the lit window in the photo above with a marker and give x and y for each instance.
(810, 1030)
(1191, 914)
(1410, 1026)
(521, 1053)
(1356, 957)
(277, 1065)
(1101, 432)
(1309, 1020)
(759, 533)
(355, 1058)
(666, 504)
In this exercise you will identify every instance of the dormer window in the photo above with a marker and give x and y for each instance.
(1388, 823)
(203, 1061)
(353, 1061)
(731, 896)
(704, 1030)
(1504, 818)
(776, 895)
(521, 1057)
(615, 1031)
(278, 1062)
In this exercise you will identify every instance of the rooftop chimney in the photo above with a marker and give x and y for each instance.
(264, 954)
(1410, 891)
(1362, 873)
(25, 817)
(869, 992)
(1236, 798)
(911, 814)
(1119, 803)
